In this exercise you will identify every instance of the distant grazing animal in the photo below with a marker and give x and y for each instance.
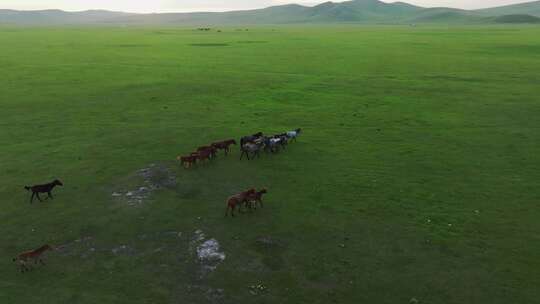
(294, 134)
(33, 255)
(253, 148)
(250, 138)
(46, 188)
(256, 198)
(238, 200)
(188, 161)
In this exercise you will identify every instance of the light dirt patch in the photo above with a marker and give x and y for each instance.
(147, 180)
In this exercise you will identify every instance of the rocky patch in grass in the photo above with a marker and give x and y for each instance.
(149, 179)
(208, 253)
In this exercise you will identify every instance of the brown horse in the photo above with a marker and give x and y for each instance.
(187, 161)
(224, 145)
(255, 198)
(46, 188)
(203, 155)
(31, 255)
(211, 149)
(238, 200)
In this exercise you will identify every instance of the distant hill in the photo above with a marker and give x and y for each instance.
(55, 17)
(517, 19)
(355, 11)
(529, 8)
(445, 15)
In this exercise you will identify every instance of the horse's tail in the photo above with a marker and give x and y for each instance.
(27, 188)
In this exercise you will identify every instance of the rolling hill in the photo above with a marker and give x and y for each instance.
(517, 19)
(355, 11)
(529, 8)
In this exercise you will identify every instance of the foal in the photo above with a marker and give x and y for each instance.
(46, 188)
(238, 200)
(32, 255)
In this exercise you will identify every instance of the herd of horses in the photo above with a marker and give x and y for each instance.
(249, 199)
(205, 153)
(250, 146)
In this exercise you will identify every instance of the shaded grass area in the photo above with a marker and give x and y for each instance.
(417, 175)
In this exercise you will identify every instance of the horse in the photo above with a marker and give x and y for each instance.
(213, 150)
(294, 134)
(253, 148)
(187, 161)
(271, 144)
(284, 140)
(256, 198)
(238, 200)
(224, 145)
(46, 188)
(204, 155)
(34, 255)
(250, 138)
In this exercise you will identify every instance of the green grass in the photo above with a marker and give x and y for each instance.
(420, 156)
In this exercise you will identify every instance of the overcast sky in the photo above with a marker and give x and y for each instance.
(148, 6)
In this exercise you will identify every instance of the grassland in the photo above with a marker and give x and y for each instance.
(417, 176)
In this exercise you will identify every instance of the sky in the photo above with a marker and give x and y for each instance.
(158, 6)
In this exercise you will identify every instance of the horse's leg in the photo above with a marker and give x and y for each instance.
(32, 197)
(41, 261)
(242, 154)
(50, 195)
(39, 198)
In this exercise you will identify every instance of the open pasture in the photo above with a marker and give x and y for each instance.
(416, 178)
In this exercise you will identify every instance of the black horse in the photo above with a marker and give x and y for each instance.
(250, 138)
(46, 188)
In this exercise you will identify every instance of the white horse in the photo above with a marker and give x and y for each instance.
(294, 134)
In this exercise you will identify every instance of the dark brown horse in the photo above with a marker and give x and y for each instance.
(224, 145)
(46, 188)
(203, 155)
(211, 149)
